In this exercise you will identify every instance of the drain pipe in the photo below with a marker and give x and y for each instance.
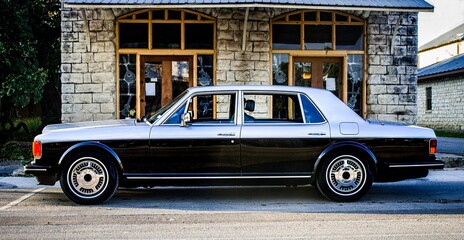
(245, 24)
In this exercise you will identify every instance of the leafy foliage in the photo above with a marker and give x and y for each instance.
(29, 33)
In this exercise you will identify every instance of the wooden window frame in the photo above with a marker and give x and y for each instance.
(284, 19)
(150, 51)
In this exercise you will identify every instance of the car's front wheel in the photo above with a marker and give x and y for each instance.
(89, 178)
(344, 178)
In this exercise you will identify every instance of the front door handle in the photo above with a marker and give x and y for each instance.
(226, 134)
(317, 134)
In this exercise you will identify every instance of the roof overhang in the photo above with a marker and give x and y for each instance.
(346, 5)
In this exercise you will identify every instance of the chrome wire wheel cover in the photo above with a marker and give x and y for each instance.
(346, 175)
(87, 177)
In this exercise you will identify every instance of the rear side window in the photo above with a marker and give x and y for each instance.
(311, 113)
(272, 108)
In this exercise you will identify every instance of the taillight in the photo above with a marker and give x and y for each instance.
(37, 149)
(433, 146)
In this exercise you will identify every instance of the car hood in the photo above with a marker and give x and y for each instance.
(112, 130)
(85, 125)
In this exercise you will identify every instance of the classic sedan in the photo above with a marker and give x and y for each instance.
(234, 135)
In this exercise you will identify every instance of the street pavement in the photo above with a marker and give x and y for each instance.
(425, 208)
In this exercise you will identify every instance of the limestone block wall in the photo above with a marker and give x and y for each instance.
(88, 65)
(235, 66)
(392, 66)
(447, 104)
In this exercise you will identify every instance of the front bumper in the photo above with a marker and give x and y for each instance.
(44, 174)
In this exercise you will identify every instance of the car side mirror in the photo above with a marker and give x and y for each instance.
(186, 119)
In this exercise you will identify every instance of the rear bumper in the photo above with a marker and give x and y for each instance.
(391, 172)
(44, 174)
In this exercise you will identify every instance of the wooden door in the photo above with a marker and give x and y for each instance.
(162, 79)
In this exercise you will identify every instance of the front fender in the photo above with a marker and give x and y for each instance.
(92, 145)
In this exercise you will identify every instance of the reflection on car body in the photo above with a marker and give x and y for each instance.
(234, 135)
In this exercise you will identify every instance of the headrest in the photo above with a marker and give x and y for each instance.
(250, 105)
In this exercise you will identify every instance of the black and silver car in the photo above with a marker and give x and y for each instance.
(234, 135)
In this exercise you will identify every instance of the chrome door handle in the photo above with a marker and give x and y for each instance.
(317, 134)
(226, 134)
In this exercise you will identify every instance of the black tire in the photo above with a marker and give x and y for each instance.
(89, 178)
(344, 178)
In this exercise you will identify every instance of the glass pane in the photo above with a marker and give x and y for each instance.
(331, 78)
(142, 16)
(166, 35)
(199, 36)
(153, 80)
(303, 74)
(280, 69)
(158, 15)
(286, 36)
(174, 15)
(190, 16)
(318, 37)
(133, 35)
(295, 17)
(213, 109)
(326, 16)
(349, 37)
(310, 16)
(312, 115)
(285, 108)
(205, 70)
(127, 78)
(341, 18)
(355, 80)
(180, 77)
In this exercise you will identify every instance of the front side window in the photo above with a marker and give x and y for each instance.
(207, 109)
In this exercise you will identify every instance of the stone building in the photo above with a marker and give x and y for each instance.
(128, 58)
(441, 95)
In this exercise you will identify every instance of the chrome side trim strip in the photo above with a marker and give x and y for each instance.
(417, 165)
(216, 177)
(36, 169)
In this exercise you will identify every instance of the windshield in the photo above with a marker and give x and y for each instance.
(158, 114)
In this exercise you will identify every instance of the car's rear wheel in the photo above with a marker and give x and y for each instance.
(89, 178)
(344, 178)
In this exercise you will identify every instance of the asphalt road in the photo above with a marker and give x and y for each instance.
(427, 208)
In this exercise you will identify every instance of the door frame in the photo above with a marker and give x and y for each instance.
(343, 64)
(318, 63)
(166, 81)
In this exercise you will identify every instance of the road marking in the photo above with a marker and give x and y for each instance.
(21, 199)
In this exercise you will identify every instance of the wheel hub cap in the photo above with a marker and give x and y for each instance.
(88, 177)
(346, 175)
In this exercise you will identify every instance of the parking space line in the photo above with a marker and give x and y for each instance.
(21, 199)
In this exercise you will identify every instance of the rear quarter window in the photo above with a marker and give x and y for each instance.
(312, 115)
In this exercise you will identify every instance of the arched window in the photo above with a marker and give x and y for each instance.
(322, 49)
(161, 52)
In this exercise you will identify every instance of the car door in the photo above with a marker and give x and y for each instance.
(279, 137)
(207, 146)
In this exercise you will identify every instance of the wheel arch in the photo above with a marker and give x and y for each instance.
(91, 146)
(350, 147)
